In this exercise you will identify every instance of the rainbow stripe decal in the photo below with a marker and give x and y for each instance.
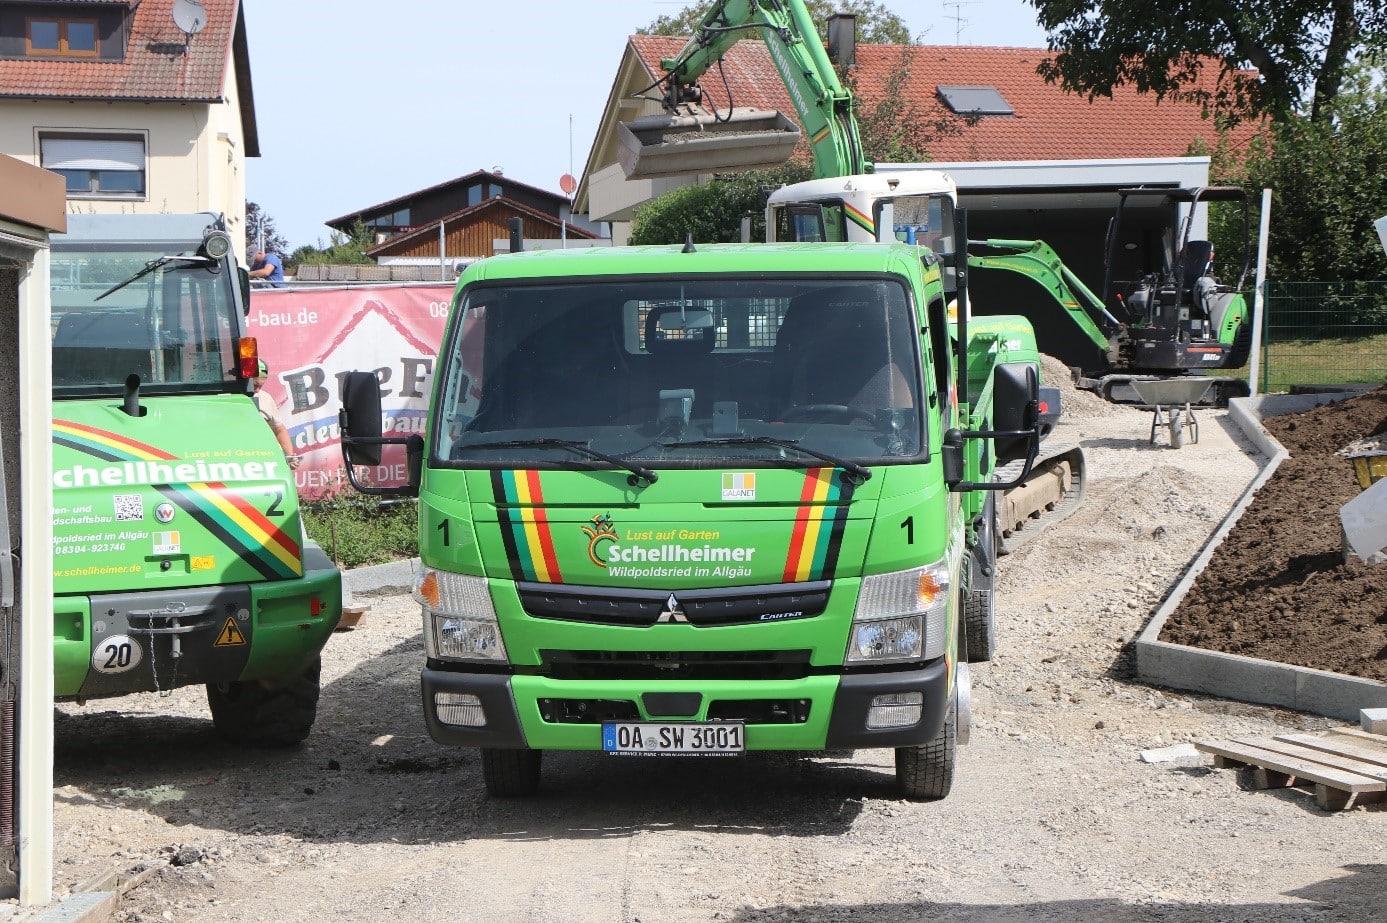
(524, 526)
(819, 524)
(860, 218)
(221, 510)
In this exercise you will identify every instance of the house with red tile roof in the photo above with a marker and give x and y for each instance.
(1029, 148)
(142, 106)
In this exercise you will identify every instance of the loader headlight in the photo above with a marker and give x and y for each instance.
(901, 616)
(459, 619)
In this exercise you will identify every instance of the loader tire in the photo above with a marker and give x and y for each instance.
(926, 773)
(255, 714)
(511, 773)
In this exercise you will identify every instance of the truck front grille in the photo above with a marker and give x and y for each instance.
(764, 604)
(748, 711)
(682, 665)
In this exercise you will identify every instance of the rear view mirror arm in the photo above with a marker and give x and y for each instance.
(414, 449)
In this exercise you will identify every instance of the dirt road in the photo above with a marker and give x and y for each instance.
(1053, 816)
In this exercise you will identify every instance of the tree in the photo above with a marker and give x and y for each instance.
(713, 212)
(1328, 182)
(876, 25)
(344, 249)
(1301, 49)
(260, 232)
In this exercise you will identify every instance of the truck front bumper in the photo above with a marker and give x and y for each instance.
(817, 712)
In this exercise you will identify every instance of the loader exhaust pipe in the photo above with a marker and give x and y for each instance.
(688, 144)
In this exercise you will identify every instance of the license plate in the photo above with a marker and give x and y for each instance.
(674, 738)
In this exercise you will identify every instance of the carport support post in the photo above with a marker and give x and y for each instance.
(1259, 300)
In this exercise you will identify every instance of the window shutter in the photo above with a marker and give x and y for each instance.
(92, 154)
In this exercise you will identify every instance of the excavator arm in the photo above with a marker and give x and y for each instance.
(1037, 261)
(742, 139)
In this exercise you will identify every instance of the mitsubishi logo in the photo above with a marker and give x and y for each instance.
(672, 612)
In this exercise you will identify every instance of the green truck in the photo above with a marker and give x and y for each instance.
(179, 555)
(709, 500)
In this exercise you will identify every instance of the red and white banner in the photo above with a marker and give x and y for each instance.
(309, 338)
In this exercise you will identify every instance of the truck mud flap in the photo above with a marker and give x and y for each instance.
(1053, 491)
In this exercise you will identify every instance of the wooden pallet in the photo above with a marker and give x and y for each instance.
(1345, 766)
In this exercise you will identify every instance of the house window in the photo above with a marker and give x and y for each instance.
(96, 166)
(61, 36)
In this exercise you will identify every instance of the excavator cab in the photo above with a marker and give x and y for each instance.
(1160, 280)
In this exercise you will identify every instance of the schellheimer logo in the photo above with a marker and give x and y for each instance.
(671, 552)
(159, 472)
(599, 532)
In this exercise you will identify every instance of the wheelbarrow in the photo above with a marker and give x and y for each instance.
(1170, 401)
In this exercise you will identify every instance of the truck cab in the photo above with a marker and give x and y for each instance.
(693, 500)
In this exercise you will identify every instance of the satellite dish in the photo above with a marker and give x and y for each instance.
(189, 16)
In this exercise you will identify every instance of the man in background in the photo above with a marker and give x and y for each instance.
(267, 268)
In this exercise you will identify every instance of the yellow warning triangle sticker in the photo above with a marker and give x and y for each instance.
(230, 635)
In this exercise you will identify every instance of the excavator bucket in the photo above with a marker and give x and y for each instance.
(685, 145)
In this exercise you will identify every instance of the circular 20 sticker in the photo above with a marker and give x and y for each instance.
(117, 654)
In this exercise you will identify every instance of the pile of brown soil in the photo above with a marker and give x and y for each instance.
(1278, 588)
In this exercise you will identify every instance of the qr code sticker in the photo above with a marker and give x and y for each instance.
(129, 507)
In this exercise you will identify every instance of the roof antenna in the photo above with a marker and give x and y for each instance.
(688, 243)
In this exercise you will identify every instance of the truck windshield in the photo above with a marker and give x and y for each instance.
(671, 373)
(174, 325)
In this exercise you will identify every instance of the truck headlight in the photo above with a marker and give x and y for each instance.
(901, 616)
(459, 620)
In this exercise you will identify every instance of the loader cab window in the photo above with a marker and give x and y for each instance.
(681, 373)
(813, 223)
(924, 221)
(175, 325)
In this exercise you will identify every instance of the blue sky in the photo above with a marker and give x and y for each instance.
(358, 102)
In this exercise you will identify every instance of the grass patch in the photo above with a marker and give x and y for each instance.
(357, 531)
(1357, 360)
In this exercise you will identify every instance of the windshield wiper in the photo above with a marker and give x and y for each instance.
(638, 472)
(153, 265)
(856, 471)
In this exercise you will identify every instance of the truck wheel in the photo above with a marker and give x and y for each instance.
(980, 595)
(980, 624)
(927, 773)
(511, 773)
(255, 715)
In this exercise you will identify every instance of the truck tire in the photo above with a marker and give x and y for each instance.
(511, 773)
(256, 715)
(980, 624)
(926, 773)
(979, 594)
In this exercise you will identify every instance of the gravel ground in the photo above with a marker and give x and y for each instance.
(1054, 815)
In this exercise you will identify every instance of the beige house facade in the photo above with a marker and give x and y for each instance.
(137, 115)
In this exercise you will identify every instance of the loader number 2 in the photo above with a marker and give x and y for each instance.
(909, 527)
(117, 654)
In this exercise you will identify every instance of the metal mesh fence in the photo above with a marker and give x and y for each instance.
(1323, 333)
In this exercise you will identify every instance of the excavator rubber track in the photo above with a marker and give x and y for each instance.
(1051, 493)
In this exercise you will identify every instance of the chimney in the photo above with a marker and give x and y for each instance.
(842, 39)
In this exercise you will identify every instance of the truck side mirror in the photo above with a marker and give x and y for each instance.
(361, 425)
(1015, 408)
(360, 419)
(244, 275)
